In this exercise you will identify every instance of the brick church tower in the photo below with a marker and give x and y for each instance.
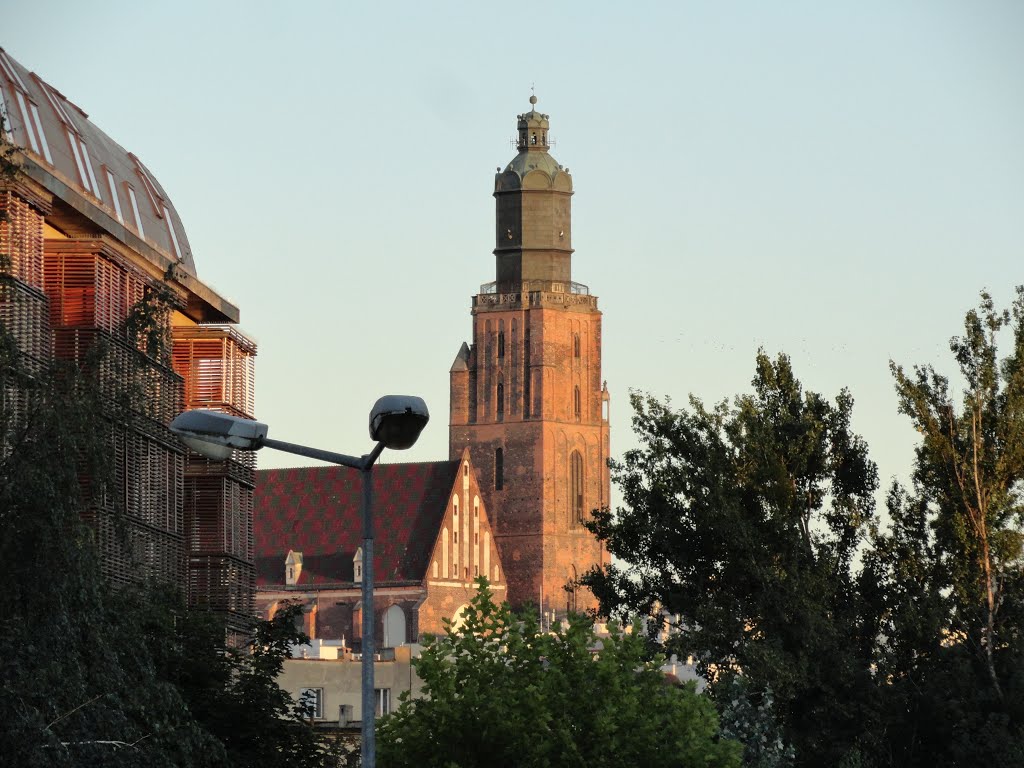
(527, 397)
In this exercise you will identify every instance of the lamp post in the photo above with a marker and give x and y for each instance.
(395, 422)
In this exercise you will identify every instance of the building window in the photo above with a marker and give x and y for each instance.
(135, 208)
(499, 469)
(576, 405)
(39, 132)
(3, 118)
(456, 537)
(113, 196)
(501, 341)
(383, 696)
(90, 182)
(312, 701)
(576, 345)
(444, 552)
(526, 373)
(26, 119)
(170, 231)
(501, 401)
(149, 186)
(576, 487)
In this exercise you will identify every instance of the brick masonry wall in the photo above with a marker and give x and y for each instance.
(540, 541)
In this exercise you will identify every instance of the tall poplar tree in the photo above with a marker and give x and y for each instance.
(969, 470)
(948, 573)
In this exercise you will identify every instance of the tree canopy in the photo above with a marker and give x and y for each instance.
(750, 529)
(92, 675)
(498, 691)
(739, 528)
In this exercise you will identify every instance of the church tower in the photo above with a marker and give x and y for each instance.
(527, 397)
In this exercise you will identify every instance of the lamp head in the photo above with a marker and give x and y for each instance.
(215, 434)
(397, 420)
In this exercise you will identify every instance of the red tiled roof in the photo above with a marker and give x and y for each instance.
(316, 511)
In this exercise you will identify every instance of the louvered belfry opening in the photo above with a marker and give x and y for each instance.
(216, 363)
(139, 523)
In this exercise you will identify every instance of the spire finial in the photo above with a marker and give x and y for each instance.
(533, 95)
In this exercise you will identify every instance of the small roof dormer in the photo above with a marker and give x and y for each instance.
(292, 568)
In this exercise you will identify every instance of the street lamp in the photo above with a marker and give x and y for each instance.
(395, 422)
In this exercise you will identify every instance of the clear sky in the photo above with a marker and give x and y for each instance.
(835, 180)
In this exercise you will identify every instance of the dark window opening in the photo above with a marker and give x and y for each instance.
(526, 374)
(576, 486)
(501, 344)
(501, 402)
(499, 469)
(576, 345)
(576, 409)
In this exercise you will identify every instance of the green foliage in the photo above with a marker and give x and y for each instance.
(947, 578)
(500, 692)
(743, 521)
(749, 717)
(95, 676)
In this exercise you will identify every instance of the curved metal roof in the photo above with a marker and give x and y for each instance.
(64, 143)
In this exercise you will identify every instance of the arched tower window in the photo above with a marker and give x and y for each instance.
(576, 487)
(576, 405)
(500, 396)
(499, 468)
(501, 339)
(576, 345)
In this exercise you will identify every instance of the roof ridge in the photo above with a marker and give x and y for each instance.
(378, 464)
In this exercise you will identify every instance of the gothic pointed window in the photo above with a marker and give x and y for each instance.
(576, 410)
(500, 395)
(576, 487)
(527, 392)
(576, 345)
(501, 339)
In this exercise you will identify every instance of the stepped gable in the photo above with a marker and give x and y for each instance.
(316, 511)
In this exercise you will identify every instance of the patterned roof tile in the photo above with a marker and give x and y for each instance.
(316, 511)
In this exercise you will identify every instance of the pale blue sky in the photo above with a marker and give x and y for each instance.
(836, 180)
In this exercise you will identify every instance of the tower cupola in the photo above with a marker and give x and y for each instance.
(533, 239)
(533, 129)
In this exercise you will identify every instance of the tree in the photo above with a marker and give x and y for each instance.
(96, 676)
(969, 471)
(498, 691)
(739, 528)
(945, 576)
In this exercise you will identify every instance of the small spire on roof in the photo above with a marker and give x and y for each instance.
(533, 95)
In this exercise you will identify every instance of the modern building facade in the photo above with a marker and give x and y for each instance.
(89, 237)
